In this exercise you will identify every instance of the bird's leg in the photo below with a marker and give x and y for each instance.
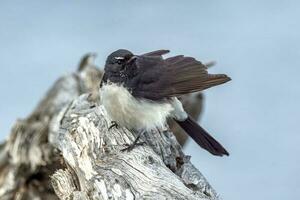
(113, 124)
(135, 142)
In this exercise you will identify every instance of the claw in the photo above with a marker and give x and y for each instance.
(131, 146)
(135, 142)
(113, 124)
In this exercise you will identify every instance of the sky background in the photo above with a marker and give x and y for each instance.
(257, 43)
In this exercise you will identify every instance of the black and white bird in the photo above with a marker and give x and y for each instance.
(140, 92)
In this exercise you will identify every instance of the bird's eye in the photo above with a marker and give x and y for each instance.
(119, 60)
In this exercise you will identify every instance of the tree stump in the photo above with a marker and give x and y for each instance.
(64, 150)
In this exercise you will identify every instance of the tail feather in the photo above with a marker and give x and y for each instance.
(202, 138)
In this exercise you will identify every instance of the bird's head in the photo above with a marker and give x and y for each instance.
(118, 60)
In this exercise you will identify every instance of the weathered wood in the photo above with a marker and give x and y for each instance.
(155, 170)
(27, 159)
(67, 137)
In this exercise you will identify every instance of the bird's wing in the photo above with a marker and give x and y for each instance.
(160, 52)
(160, 78)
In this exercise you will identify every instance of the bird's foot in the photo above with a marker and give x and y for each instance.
(131, 146)
(113, 124)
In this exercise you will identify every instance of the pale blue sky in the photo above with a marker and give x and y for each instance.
(256, 116)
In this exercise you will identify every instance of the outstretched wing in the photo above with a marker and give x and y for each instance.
(160, 78)
(157, 53)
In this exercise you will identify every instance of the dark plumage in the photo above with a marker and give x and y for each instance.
(150, 77)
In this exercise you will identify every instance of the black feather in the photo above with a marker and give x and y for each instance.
(159, 78)
(202, 138)
(152, 77)
(157, 53)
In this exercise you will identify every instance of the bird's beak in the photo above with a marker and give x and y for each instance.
(133, 58)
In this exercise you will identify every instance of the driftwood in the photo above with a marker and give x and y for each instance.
(27, 159)
(67, 138)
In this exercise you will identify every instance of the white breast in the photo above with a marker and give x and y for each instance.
(132, 113)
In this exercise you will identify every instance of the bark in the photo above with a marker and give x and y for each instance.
(27, 159)
(157, 169)
(67, 138)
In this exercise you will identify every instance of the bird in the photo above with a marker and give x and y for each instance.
(140, 92)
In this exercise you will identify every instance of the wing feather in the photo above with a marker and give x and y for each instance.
(157, 53)
(172, 77)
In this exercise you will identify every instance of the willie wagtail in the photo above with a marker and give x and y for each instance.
(140, 92)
